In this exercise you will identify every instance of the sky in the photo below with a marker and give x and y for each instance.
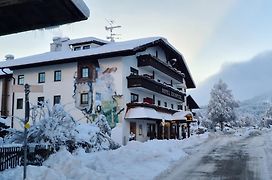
(209, 33)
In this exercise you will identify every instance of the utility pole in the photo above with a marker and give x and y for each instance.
(27, 91)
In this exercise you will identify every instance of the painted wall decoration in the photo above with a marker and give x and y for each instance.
(101, 92)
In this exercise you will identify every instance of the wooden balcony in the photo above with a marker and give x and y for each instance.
(149, 60)
(135, 81)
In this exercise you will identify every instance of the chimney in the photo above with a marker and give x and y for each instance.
(9, 57)
(57, 43)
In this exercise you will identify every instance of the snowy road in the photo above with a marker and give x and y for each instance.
(226, 157)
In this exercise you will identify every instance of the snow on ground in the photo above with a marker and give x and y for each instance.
(135, 161)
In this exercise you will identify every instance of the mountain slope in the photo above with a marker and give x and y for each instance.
(246, 80)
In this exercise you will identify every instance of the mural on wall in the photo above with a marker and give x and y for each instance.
(101, 94)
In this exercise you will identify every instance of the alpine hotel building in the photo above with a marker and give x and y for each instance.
(139, 84)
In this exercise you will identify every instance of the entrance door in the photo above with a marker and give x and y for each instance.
(132, 132)
(151, 131)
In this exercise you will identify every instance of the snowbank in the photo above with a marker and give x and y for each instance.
(135, 161)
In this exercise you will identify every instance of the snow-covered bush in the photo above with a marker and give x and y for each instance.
(57, 128)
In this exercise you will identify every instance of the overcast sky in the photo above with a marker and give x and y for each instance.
(209, 33)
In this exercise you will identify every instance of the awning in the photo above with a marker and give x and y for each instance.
(149, 113)
(182, 115)
(142, 113)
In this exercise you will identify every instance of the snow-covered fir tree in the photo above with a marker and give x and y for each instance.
(221, 105)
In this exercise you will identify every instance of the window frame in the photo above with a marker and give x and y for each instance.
(134, 71)
(132, 95)
(39, 77)
(21, 103)
(55, 75)
(54, 99)
(21, 78)
(180, 107)
(86, 47)
(82, 72)
(76, 48)
(39, 101)
(81, 99)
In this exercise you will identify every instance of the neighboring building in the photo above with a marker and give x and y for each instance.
(139, 83)
(24, 15)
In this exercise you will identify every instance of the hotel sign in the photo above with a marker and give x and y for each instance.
(171, 94)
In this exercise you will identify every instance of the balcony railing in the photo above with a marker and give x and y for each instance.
(149, 60)
(153, 106)
(152, 85)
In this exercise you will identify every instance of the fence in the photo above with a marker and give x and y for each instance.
(11, 157)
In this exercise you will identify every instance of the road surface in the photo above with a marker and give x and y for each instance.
(226, 158)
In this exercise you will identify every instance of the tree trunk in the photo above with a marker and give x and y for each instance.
(221, 124)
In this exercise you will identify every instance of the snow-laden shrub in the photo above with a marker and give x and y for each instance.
(57, 128)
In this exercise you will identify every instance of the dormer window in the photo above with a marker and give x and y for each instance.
(86, 47)
(77, 48)
(85, 72)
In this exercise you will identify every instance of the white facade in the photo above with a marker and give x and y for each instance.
(110, 80)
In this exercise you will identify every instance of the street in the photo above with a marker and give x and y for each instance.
(226, 157)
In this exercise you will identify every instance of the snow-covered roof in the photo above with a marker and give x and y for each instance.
(181, 115)
(82, 7)
(149, 113)
(7, 72)
(60, 55)
(86, 40)
(142, 112)
(110, 49)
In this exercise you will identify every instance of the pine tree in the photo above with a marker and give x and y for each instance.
(221, 105)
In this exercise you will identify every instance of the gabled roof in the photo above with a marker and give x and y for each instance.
(111, 49)
(23, 15)
(6, 73)
(191, 102)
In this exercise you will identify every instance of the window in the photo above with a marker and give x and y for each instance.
(40, 101)
(85, 72)
(134, 71)
(180, 107)
(165, 104)
(156, 54)
(140, 129)
(86, 47)
(172, 106)
(56, 99)
(159, 103)
(20, 103)
(134, 97)
(21, 80)
(57, 75)
(84, 98)
(41, 77)
(77, 48)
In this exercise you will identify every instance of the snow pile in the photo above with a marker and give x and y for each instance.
(135, 161)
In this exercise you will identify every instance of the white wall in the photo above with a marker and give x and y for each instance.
(64, 88)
